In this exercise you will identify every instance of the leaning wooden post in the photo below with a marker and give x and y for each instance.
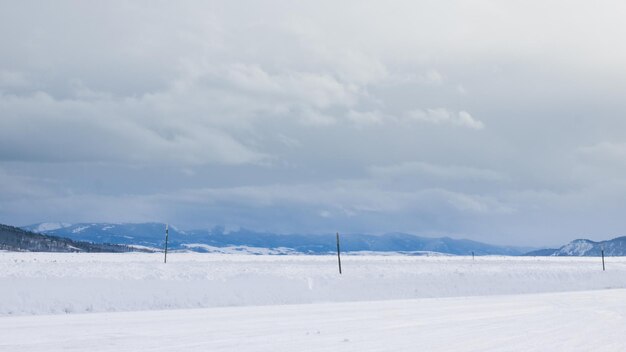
(338, 254)
(603, 260)
(166, 238)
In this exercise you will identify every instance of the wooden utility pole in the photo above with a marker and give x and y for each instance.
(166, 238)
(603, 260)
(338, 254)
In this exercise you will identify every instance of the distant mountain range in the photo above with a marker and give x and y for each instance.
(16, 239)
(586, 248)
(152, 235)
(110, 237)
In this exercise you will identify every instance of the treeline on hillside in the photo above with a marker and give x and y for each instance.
(16, 239)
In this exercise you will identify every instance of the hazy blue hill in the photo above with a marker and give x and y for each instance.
(144, 234)
(153, 235)
(541, 252)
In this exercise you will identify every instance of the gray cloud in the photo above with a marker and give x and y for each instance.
(493, 121)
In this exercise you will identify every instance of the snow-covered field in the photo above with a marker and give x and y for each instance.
(574, 321)
(47, 283)
(287, 303)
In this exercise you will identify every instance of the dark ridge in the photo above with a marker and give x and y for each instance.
(16, 239)
(541, 252)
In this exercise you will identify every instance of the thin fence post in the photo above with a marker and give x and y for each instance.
(166, 238)
(472, 255)
(603, 269)
(338, 254)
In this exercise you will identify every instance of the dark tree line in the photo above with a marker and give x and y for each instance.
(15, 239)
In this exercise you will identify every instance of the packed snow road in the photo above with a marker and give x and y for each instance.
(47, 283)
(573, 321)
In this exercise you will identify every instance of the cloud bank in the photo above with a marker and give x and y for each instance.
(500, 122)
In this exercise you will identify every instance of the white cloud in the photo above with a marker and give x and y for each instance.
(605, 151)
(325, 214)
(465, 119)
(364, 118)
(12, 79)
(309, 117)
(434, 77)
(416, 169)
(313, 89)
(445, 116)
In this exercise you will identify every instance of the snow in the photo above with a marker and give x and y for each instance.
(239, 249)
(424, 253)
(572, 321)
(53, 283)
(80, 229)
(135, 302)
(177, 229)
(50, 226)
(146, 248)
(576, 248)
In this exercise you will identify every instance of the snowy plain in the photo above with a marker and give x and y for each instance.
(572, 321)
(49, 283)
(213, 302)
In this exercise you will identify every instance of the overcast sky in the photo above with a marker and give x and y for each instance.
(498, 121)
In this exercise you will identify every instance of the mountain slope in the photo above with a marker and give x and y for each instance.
(16, 239)
(587, 248)
(153, 235)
